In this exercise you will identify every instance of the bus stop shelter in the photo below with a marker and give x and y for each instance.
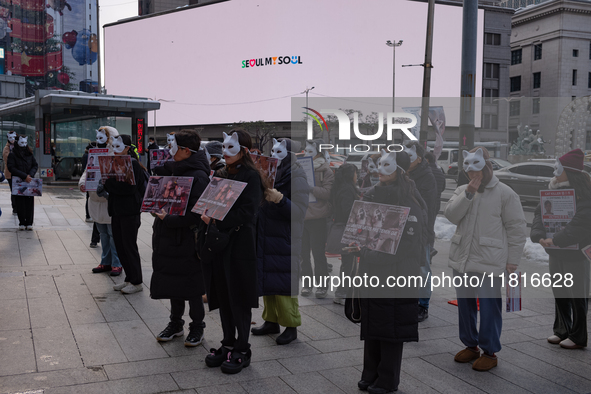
(61, 124)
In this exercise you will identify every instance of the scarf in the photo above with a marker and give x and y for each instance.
(319, 161)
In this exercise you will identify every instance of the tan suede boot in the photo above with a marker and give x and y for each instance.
(485, 363)
(467, 355)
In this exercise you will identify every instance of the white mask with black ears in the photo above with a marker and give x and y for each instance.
(101, 137)
(118, 145)
(387, 164)
(412, 153)
(474, 161)
(231, 145)
(11, 137)
(22, 141)
(311, 149)
(279, 150)
(169, 139)
(558, 168)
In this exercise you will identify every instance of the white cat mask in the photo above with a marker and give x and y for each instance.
(22, 141)
(474, 161)
(169, 139)
(558, 168)
(310, 149)
(118, 145)
(231, 145)
(387, 164)
(101, 137)
(11, 137)
(372, 167)
(412, 153)
(172, 143)
(279, 150)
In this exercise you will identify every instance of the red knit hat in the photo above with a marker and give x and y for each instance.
(573, 160)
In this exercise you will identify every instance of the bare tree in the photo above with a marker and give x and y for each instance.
(261, 131)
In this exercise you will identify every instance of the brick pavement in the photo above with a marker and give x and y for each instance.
(64, 330)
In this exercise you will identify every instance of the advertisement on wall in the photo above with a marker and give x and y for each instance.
(52, 43)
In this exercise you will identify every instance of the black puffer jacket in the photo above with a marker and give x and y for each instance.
(390, 314)
(177, 270)
(427, 187)
(125, 199)
(343, 201)
(21, 162)
(439, 178)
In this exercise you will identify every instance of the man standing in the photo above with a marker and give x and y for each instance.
(440, 179)
(151, 146)
(420, 172)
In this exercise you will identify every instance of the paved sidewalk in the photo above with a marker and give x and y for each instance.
(64, 330)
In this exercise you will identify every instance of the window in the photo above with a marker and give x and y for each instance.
(546, 171)
(574, 77)
(491, 70)
(537, 80)
(514, 108)
(444, 155)
(535, 106)
(516, 56)
(489, 94)
(516, 83)
(528, 169)
(537, 51)
(490, 121)
(492, 39)
(575, 53)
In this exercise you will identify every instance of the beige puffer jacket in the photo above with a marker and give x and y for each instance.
(324, 178)
(5, 153)
(491, 229)
(97, 206)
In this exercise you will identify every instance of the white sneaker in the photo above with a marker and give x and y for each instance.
(89, 220)
(21, 228)
(29, 228)
(554, 339)
(130, 289)
(120, 286)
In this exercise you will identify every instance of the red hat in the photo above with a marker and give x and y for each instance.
(573, 160)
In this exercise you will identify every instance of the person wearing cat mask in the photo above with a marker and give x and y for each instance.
(315, 229)
(21, 163)
(489, 239)
(11, 139)
(420, 172)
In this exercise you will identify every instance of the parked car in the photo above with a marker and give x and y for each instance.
(527, 179)
(447, 157)
(497, 164)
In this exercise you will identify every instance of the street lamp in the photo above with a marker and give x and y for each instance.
(393, 45)
(162, 101)
(307, 91)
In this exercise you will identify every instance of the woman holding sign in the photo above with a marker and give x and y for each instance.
(570, 304)
(231, 273)
(21, 163)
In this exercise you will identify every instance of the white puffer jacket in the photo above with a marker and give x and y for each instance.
(97, 206)
(491, 229)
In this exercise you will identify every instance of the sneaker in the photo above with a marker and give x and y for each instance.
(93, 245)
(89, 220)
(217, 357)
(423, 313)
(568, 344)
(467, 355)
(363, 385)
(120, 286)
(236, 361)
(195, 337)
(172, 330)
(289, 335)
(101, 268)
(130, 289)
(29, 228)
(21, 228)
(554, 339)
(116, 271)
(321, 292)
(485, 362)
(339, 300)
(306, 291)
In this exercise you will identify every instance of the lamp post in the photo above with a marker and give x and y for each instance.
(307, 91)
(162, 101)
(508, 100)
(393, 44)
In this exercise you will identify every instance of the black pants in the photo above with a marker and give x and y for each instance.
(125, 229)
(96, 236)
(86, 206)
(196, 312)
(571, 303)
(381, 363)
(234, 317)
(314, 240)
(12, 201)
(25, 208)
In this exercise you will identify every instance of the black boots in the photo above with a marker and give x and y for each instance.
(266, 328)
(288, 336)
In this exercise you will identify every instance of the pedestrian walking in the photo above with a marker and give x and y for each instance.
(21, 163)
(420, 172)
(315, 223)
(389, 315)
(11, 139)
(99, 212)
(570, 303)
(177, 270)
(230, 270)
(279, 243)
(489, 239)
(124, 206)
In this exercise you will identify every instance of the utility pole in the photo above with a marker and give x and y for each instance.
(427, 66)
(468, 78)
(393, 44)
(307, 91)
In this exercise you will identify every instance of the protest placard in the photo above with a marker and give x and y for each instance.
(118, 167)
(168, 193)
(27, 189)
(558, 209)
(219, 196)
(93, 170)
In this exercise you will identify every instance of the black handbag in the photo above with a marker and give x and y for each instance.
(215, 240)
(353, 300)
(333, 240)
